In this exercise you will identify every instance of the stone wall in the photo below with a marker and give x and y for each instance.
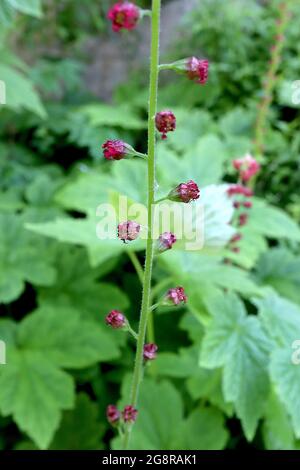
(111, 57)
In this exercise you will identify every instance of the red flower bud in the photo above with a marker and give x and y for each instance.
(128, 231)
(185, 192)
(197, 70)
(236, 238)
(247, 204)
(165, 121)
(235, 249)
(115, 319)
(124, 15)
(236, 204)
(150, 351)
(166, 241)
(247, 167)
(115, 149)
(239, 189)
(176, 296)
(129, 414)
(113, 414)
(243, 219)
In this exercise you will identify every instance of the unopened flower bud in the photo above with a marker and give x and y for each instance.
(243, 219)
(239, 189)
(194, 68)
(246, 166)
(113, 414)
(150, 351)
(166, 241)
(197, 70)
(129, 414)
(236, 238)
(128, 231)
(165, 122)
(248, 204)
(115, 319)
(124, 15)
(117, 150)
(176, 296)
(185, 192)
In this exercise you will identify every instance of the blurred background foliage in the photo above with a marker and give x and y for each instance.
(224, 376)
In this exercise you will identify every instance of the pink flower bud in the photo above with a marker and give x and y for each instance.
(115, 319)
(129, 414)
(239, 189)
(236, 238)
(247, 204)
(243, 219)
(115, 149)
(150, 351)
(165, 122)
(176, 296)
(185, 192)
(128, 231)
(235, 249)
(197, 70)
(124, 15)
(236, 204)
(248, 192)
(247, 167)
(166, 241)
(113, 414)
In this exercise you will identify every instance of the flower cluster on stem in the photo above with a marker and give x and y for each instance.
(127, 15)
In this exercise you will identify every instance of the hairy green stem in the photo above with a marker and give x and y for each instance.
(154, 62)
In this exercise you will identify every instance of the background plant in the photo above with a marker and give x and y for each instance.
(53, 177)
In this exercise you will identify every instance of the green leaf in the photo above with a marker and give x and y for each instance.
(85, 192)
(280, 224)
(238, 343)
(179, 365)
(203, 430)
(66, 338)
(106, 115)
(281, 318)
(80, 428)
(286, 377)
(194, 164)
(277, 430)
(195, 269)
(20, 93)
(29, 7)
(7, 13)
(160, 414)
(279, 268)
(80, 232)
(77, 287)
(199, 124)
(23, 257)
(8, 330)
(207, 384)
(34, 391)
(84, 232)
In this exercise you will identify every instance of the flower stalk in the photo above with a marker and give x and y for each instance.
(154, 71)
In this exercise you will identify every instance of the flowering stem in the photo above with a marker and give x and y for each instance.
(161, 200)
(271, 78)
(137, 265)
(154, 61)
(150, 328)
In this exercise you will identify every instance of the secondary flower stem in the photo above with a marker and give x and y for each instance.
(154, 61)
(137, 265)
